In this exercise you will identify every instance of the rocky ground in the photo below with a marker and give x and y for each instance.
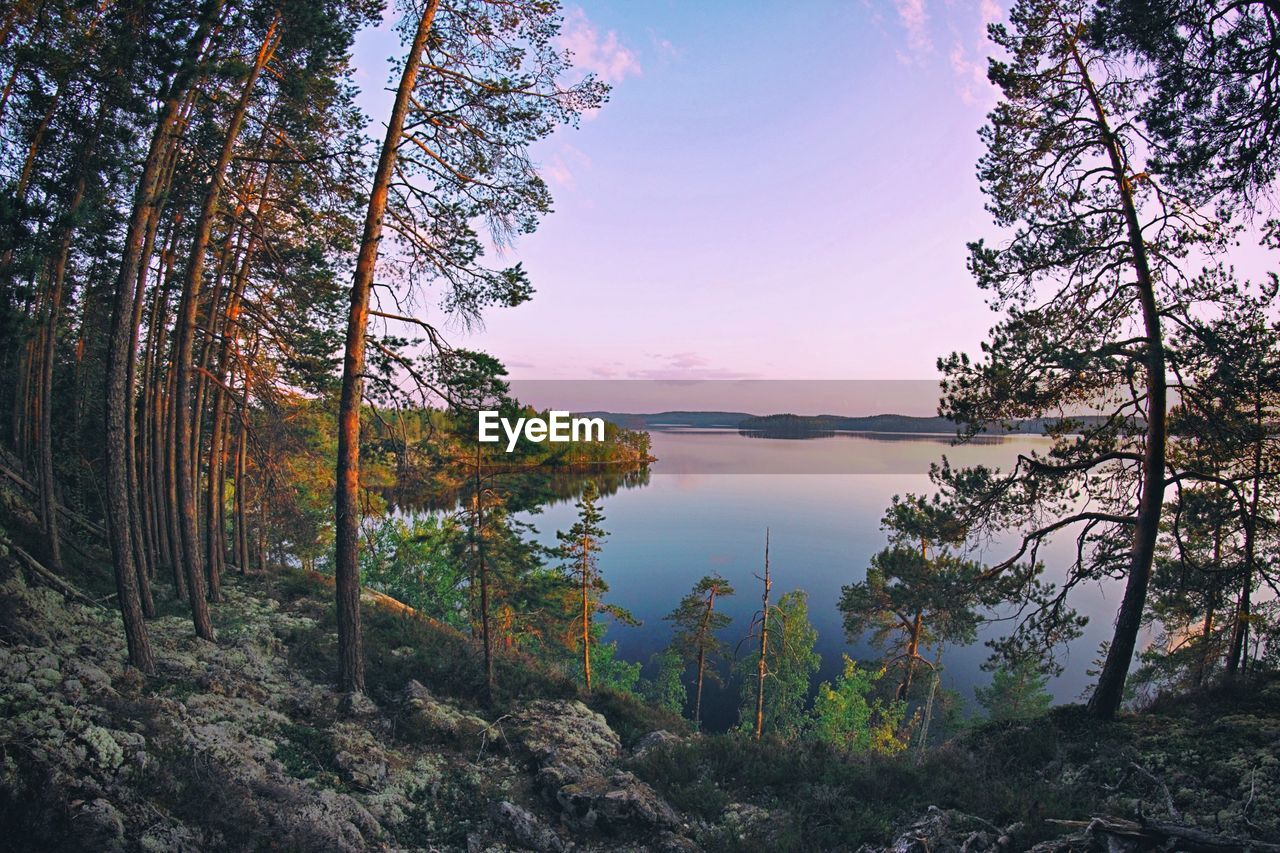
(230, 747)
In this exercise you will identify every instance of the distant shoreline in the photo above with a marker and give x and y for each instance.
(788, 424)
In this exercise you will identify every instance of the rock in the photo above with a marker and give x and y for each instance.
(654, 740)
(332, 821)
(947, 831)
(669, 842)
(527, 830)
(168, 839)
(745, 820)
(574, 750)
(427, 719)
(567, 740)
(98, 825)
(357, 704)
(615, 802)
(359, 756)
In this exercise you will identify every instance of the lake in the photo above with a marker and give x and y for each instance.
(712, 493)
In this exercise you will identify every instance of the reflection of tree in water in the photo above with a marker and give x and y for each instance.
(800, 433)
(788, 433)
(522, 489)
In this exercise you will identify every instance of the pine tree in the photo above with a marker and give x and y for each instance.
(1212, 107)
(696, 623)
(1017, 691)
(917, 594)
(580, 548)
(1086, 281)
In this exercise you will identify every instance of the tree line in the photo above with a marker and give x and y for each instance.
(184, 187)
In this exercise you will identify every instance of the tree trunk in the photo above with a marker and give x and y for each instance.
(1240, 630)
(913, 654)
(57, 279)
(171, 484)
(586, 612)
(702, 653)
(764, 642)
(346, 497)
(187, 521)
(116, 394)
(142, 553)
(1109, 693)
(242, 447)
(485, 637)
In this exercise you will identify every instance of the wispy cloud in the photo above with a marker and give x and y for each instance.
(601, 54)
(686, 365)
(969, 64)
(915, 20)
(971, 75)
(562, 168)
(664, 48)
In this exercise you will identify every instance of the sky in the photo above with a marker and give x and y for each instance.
(774, 191)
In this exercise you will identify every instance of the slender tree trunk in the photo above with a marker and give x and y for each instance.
(702, 653)
(161, 429)
(485, 637)
(116, 395)
(137, 516)
(200, 370)
(586, 611)
(149, 450)
(1109, 693)
(187, 520)
(761, 666)
(215, 534)
(1240, 630)
(57, 279)
(171, 483)
(242, 451)
(346, 563)
(913, 654)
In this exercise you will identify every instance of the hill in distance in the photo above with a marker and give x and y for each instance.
(789, 424)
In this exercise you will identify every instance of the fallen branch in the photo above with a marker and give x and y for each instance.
(71, 515)
(1168, 798)
(1152, 834)
(49, 578)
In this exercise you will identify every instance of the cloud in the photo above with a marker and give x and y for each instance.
(971, 76)
(563, 167)
(915, 19)
(663, 47)
(686, 360)
(970, 70)
(603, 55)
(686, 365)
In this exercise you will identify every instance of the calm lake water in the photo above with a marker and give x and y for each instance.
(697, 514)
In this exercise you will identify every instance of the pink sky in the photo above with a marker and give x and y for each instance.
(777, 191)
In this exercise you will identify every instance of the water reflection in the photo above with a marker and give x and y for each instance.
(704, 504)
(523, 489)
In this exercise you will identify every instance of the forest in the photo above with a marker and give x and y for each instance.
(232, 411)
